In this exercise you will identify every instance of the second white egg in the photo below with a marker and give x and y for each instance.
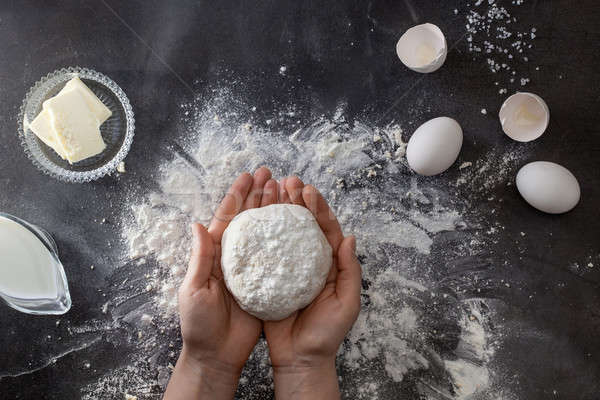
(548, 186)
(434, 146)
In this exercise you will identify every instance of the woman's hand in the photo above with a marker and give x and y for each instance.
(303, 346)
(218, 336)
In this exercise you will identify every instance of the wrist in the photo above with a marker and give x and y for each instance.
(208, 367)
(200, 379)
(306, 379)
(305, 365)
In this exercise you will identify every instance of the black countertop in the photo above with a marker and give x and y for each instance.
(166, 53)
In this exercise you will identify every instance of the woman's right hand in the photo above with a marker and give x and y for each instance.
(303, 346)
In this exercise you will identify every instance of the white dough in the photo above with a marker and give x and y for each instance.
(275, 260)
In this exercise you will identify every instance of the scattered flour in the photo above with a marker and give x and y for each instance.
(405, 229)
(466, 164)
(498, 167)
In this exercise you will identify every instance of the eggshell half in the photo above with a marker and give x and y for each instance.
(434, 146)
(524, 116)
(422, 48)
(549, 187)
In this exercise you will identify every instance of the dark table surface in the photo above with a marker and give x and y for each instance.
(165, 53)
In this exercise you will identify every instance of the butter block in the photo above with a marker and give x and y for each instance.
(42, 127)
(98, 108)
(76, 126)
(70, 122)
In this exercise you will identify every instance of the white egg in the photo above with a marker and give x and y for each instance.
(524, 116)
(434, 146)
(422, 48)
(549, 187)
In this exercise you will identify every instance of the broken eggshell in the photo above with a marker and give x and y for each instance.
(422, 48)
(524, 116)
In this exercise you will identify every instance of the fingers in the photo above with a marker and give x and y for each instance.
(290, 190)
(315, 202)
(202, 258)
(230, 206)
(217, 272)
(261, 177)
(293, 187)
(284, 197)
(270, 193)
(348, 282)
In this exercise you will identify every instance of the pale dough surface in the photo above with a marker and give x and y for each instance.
(275, 260)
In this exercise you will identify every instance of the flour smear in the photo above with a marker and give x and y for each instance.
(423, 332)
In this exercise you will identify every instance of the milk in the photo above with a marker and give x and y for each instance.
(31, 276)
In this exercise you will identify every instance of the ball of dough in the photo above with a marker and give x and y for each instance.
(275, 260)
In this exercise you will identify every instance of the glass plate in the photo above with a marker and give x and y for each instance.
(117, 131)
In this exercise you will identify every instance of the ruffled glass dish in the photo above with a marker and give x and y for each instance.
(117, 131)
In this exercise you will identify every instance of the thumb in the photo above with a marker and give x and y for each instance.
(202, 258)
(348, 283)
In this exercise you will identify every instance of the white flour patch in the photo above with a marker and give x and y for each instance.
(386, 327)
(414, 334)
(401, 233)
(474, 349)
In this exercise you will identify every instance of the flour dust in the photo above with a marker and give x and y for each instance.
(423, 331)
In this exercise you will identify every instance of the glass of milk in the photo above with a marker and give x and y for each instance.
(32, 278)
